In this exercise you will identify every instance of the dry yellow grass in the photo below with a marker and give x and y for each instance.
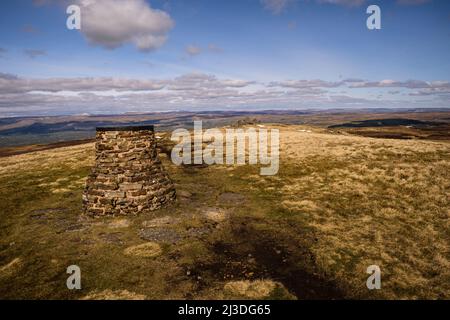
(373, 201)
(74, 156)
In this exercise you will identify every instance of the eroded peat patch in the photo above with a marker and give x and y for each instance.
(250, 249)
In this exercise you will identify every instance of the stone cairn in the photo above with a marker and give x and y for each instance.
(128, 176)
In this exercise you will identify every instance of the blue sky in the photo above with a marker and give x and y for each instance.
(142, 56)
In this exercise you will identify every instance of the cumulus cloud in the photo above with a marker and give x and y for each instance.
(34, 53)
(199, 91)
(113, 23)
(13, 84)
(306, 84)
(201, 81)
(420, 87)
(388, 83)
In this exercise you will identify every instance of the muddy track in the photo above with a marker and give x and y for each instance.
(249, 253)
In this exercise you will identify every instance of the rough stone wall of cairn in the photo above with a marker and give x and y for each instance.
(128, 176)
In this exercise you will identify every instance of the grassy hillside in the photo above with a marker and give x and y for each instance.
(339, 204)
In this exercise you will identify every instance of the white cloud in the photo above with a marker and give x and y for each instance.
(13, 84)
(113, 23)
(306, 84)
(198, 91)
(388, 83)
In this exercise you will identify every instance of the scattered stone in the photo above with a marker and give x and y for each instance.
(160, 235)
(117, 224)
(114, 295)
(145, 250)
(199, 232)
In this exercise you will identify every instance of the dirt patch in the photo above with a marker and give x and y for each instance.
(251, 253)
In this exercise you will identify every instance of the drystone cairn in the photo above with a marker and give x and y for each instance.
(128, 176)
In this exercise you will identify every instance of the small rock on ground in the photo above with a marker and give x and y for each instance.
(160, 235)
